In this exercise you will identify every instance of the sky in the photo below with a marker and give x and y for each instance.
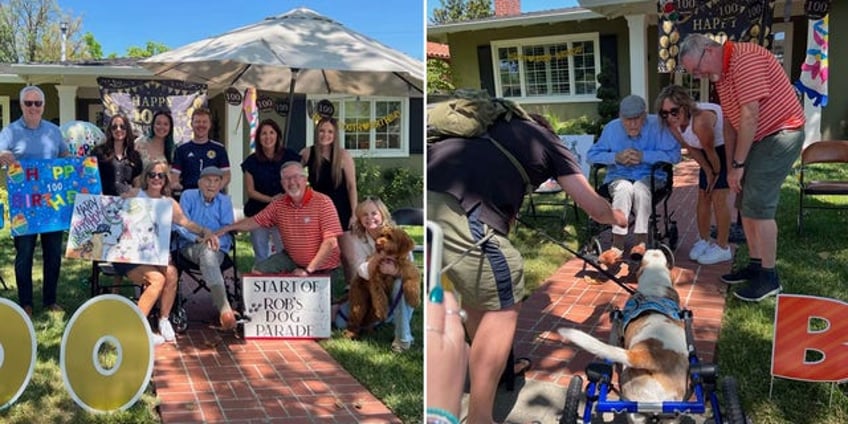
(121, 24)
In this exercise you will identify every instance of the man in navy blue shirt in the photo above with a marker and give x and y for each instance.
(190, 158)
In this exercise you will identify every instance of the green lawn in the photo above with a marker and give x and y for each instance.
(813, 264)
(396, 379)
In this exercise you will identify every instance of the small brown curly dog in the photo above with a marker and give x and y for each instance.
(370, 299)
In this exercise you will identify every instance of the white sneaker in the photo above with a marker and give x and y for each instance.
(715, 254)
(698, 249)
(166, 330)
(157, 339)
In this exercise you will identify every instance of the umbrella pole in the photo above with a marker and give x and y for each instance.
(286, 131)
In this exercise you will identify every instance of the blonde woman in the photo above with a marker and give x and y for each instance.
(160, 282)
(372, 216)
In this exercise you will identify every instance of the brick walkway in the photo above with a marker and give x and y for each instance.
(214, 377)
(565, 300)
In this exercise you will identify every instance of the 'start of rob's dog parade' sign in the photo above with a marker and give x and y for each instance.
(286, 307)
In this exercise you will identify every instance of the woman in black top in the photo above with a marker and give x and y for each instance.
(119, 163)
(331, 170)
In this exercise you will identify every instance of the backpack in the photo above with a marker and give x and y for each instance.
(469, 114)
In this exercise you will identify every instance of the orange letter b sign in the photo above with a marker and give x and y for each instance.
(797, 339)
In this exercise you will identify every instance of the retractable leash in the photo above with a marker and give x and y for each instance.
(586, 259)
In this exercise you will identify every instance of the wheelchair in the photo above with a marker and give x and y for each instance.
(191, 270)
(662, 229)
(701, 399)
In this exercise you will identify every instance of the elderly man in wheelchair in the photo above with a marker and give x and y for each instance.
(629, 147)
(212, 209)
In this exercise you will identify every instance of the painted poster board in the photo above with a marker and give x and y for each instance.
(286, 307)
(113, 229)
(579, 146)
(42, 192)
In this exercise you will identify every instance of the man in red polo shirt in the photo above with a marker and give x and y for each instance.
(309, 227)
(764, 138)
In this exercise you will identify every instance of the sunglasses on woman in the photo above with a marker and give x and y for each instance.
(118, 127)
(154, 175)
(673, 112)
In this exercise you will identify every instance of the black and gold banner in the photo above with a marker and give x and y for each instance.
(737, 20)
(140, 99)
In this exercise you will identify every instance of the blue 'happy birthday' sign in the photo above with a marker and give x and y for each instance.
(42, 191)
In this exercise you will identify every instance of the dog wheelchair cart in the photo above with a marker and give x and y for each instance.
(702, 390)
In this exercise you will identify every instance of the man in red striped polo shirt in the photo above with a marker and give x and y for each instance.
(764, 133)
(309, 227)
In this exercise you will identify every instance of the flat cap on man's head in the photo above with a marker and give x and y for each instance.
(632, 106)
(211, 170)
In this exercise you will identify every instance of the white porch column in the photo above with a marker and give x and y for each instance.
(638, 33)
(235, 151)
(67, 103)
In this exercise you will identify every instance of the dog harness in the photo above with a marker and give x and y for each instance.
(638, 304)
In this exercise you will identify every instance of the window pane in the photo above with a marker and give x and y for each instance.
(559, 69)
(535, 72)
(584, 73)
(387, 124)
(508, 71)
(357, 118)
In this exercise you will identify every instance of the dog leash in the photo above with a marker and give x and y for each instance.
(585, 259)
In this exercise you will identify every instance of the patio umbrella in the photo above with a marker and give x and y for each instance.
(299, 51)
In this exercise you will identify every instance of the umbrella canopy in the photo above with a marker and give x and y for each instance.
(299, 51)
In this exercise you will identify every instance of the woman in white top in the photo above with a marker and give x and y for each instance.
(160, 143)
(371, 216)
(700, 128)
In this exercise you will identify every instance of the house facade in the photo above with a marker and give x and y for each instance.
(72, 93)
(548, 60)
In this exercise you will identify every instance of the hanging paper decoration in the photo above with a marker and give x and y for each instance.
(251, 112)
(814, 71)
(816, 9)
(738, 20)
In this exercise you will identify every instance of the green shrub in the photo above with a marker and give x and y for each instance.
(579, 125)
(397, 186)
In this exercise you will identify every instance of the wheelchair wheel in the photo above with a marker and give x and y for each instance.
(573, 395)
(673, 235)
(733, 412)
(669, 254)
(179, 319)
(594, 247)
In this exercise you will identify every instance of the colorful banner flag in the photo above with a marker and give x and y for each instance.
(140, 99)
(42, 192)
(251, 113)
(814, 70)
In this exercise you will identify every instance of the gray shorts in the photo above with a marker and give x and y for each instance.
(490, 276)
(767, 165)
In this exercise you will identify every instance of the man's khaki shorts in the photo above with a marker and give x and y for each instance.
(490, 275)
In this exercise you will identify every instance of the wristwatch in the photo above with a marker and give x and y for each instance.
(737, 165)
